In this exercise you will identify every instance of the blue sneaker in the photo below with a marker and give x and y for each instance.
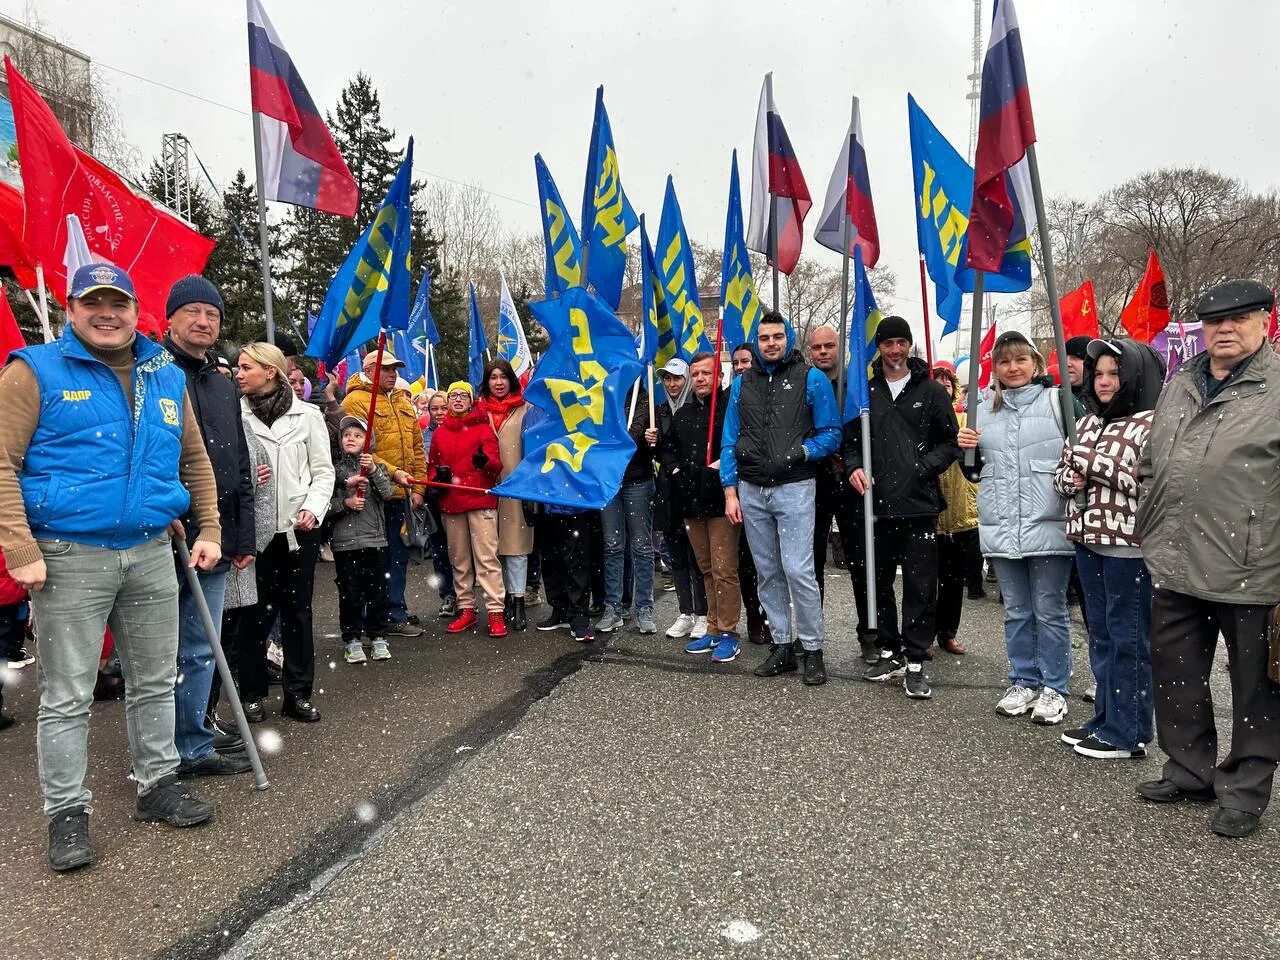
(701, 644)
(726, 648)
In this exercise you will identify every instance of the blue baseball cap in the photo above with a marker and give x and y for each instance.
(100, 276)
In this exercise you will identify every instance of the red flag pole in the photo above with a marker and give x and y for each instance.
(373, 395)
(924, 305)
(715, 388)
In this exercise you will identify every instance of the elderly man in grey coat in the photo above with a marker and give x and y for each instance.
(1209, 520)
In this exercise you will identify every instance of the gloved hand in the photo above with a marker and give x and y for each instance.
(479, 459)
(444, 473)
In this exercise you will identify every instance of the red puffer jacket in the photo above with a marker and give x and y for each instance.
(454, 445)
(11, 592)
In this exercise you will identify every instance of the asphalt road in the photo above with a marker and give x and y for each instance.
(509, 799)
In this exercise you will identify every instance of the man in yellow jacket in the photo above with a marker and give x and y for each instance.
(397, 445)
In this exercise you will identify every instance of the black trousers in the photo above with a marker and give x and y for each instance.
(565, 542)
(285, 581)
(955, 569)
(749, 583)
(691, 592)
(846, 509)
(1184, 638)
(911, 543)
(361, 576)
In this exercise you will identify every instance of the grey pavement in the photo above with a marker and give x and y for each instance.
(655, 805)
(479, 798)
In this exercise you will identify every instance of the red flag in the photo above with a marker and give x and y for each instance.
(10, 336)
(1080, 313)
(1273, 330)
(1052, 364)
(14, 252)
(155, 248)
(1148, 312)
(984, 358)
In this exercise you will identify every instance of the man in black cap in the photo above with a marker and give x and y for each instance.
(915, 441)
(1077, 353)
(1209, 519)
(194, 309)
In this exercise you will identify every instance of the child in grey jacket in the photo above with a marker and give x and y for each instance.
(359, 539)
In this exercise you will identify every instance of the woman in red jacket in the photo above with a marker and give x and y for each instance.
(464, 451)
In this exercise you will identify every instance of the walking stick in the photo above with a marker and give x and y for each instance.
(224, 670)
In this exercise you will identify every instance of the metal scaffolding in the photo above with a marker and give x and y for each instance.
(174, 158)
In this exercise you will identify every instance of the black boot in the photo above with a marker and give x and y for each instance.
(518, 619)
(782, 659)
(815, 671)
(507, 606)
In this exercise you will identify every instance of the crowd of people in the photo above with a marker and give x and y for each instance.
(118, 450)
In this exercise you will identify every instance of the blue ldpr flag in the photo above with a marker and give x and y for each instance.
(739, 301)
(406, 348)
(577, 455)
(477, 344)
(944, 191)
(863, 321)
(420, 317)
(657, 341)
(370, 292)
(607, 217)
(679, 278)
(559, 238)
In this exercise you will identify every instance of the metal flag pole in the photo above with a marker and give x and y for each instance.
(44, 303)
(773, 247)
(1051, 287)
(975, 349)
(869, 519)
(224, 669)
(843, 343)
(264, 237)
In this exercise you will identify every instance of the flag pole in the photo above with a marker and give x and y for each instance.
(373, 393)
(924, 306)
(264, 237)
(773, 247)
(652, 418)
(715, 388)
(868, 520)
(1051, 287)
(44, 303)
(975, 350)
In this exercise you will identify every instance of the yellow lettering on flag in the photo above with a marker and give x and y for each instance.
(680, 303)
(567, 269)
(372, 275)
(608, 202)
(558, 453)
(950, 222)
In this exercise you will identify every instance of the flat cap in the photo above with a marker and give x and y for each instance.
(1232, 297)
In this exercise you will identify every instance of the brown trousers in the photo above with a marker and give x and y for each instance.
(715, 545)
(473, 553)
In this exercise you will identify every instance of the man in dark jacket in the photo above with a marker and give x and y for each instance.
(780, 422)
(836, 501)
(913, 431)
(194, 309)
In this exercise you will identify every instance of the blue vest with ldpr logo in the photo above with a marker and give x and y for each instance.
(99, 470)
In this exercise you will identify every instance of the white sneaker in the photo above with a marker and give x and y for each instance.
(684, 626)
(699, 627)
(354, 653)
(1017, 700)
(1050, 708)
(380, 650)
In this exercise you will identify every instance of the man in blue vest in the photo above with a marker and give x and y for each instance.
(781, 420)
(99, 454)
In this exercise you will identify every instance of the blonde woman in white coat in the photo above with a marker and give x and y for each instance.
(297, 444)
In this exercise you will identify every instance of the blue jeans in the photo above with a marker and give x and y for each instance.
(1037, 633)
(628, 519)
(779, 525)
(397, 561)
(196, 665)
(1117, 591)
(87, 589)
(515, 573)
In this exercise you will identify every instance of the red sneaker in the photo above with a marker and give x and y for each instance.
(497, 625)
(466, 620)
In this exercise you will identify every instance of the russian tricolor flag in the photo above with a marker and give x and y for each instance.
(776, 172)
(849, 194)
(1005, 130)
(300, 162)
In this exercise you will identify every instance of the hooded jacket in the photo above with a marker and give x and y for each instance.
(455, 445)
(1108, 449)
(1209, 511)
(781, 419)
(698, 490)
(667, 508)
(913, 441)
(397, 441)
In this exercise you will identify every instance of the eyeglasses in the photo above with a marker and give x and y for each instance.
(460, 393)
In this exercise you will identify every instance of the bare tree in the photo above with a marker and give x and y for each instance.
(468, 227)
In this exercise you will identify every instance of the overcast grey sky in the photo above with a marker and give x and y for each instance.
(1117, 86)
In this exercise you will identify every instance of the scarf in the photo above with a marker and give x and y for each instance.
(501, 409)
(270, 407)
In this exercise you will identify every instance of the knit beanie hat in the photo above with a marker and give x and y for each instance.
(192, 289)
(892, 328)
(1078, 347)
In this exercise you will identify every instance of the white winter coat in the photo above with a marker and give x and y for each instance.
(297, 447)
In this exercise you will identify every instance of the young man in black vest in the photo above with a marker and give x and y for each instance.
(913, 440)
(780, 422)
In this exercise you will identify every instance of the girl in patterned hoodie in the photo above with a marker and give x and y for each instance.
(1123, 379)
